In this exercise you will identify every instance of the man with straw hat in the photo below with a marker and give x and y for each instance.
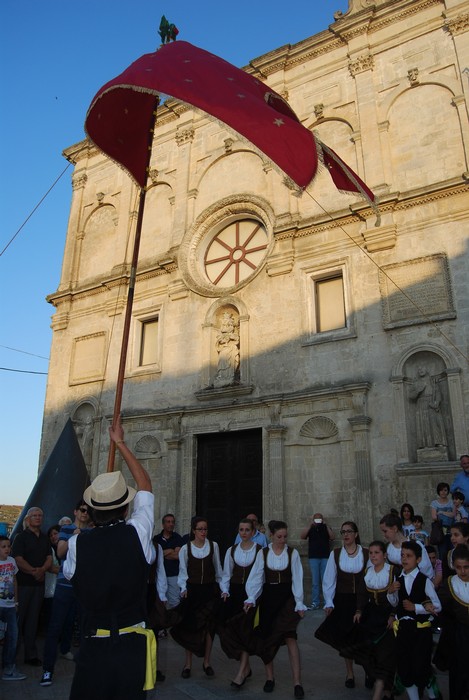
(108, 567)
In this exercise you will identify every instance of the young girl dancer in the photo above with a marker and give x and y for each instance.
(277, 574)
(235, 630)
(199, 575)
(344, 593)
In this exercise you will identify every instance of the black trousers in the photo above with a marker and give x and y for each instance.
(110, 669)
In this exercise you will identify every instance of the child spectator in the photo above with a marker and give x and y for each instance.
(451, 654)
(406, 514)
(415, 600)
(460, 513)
(8, 608)
(417, 533)
(437, 565)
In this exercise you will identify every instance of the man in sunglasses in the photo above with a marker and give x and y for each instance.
(64, 603)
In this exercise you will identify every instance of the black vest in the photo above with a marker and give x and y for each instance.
(417, 595)
(111, 577)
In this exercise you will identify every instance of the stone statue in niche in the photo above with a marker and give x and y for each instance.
(227, 347)
(431, 438)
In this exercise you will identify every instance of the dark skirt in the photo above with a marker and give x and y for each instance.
(374, 648)
(451, 655)
(277, 621)
(197, 615)
(338, 629)
(236, 627)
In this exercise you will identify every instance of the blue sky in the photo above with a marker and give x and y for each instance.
(55, 55)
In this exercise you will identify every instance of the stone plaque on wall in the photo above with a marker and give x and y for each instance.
(88, 358)
(423, 291)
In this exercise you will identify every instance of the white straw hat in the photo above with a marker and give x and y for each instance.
(108, 491)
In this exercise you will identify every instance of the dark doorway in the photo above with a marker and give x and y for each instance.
(229, 481)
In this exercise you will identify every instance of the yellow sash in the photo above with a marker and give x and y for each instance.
(420, 625)
(150, 670)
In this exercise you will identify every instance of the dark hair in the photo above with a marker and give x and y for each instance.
(52, 528)
(462, 527)
(394, 511)
(248, 521)
(461, 552)
(106, 517)
(442, 485)
(354, 527)
(413, 546)
(378, 543)
(391, 520)
(80, 503)
(4, 537)
(463, 456)
(407, 505)
(419, 518)
(167, 515)
(275, 525)
(459, 495)
(430, 549)
(194, 522)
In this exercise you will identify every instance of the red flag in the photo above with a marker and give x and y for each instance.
(120, 114)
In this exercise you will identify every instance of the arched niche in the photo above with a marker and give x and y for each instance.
(226, 344)
(428, 406)
(98, 248)
(84, 419)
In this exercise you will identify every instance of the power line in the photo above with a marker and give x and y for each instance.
(24, 352)
(21, 371)
(35, 208)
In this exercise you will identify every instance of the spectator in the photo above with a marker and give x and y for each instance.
(32, 552)
(319, 536)
(171, 542)
(8, 608)
(460, 513)
(461, 482)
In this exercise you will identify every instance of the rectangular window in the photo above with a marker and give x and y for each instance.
(330, 303)
(148, 342)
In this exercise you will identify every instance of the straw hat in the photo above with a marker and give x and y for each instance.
(108, 491)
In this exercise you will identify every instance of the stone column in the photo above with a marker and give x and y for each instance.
(274, 473)
(360, 427)
(173, 482)
(457, 410)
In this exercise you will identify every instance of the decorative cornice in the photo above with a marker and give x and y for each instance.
(391, 18)
(458, 25)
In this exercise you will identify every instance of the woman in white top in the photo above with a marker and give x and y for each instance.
(391, 527)
(344, 593)
(236, 627)
(277, 574)
(199, 578)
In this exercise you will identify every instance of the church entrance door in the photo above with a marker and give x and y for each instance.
(229, 481)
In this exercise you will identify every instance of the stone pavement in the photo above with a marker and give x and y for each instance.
(323, 675)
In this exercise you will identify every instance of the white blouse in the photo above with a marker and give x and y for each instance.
(377, 580)
(242, 557)
(276, 562)
(425, 566)
(461, 588)
(347, 564)
(198, 553)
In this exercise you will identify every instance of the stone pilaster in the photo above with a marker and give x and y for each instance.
(361, 427)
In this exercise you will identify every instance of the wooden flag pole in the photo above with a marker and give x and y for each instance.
(130, 298)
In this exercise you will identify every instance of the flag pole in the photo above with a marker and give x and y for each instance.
(130, 296)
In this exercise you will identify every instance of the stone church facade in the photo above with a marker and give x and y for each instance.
(287, 355)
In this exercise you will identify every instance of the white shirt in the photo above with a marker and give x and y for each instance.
(198, 553)
(425, 566)
(429, 592)
(347, 564)
(143, 520)
(276, 562)
(242, 557)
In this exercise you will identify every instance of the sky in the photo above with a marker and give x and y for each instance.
(54, 56)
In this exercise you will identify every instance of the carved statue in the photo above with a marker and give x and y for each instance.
(426, 395)
(227, 346)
